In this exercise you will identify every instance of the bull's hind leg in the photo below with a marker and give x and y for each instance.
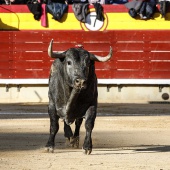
(54, 127)
(73, 140)
(68, 134)
(89, 125)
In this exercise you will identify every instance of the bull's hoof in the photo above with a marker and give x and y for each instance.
(74, 142)
(87, 151)
(49, 149)
(67, 143)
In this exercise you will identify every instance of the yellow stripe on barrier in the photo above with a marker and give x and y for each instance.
(25, 21)
(122, 21)
(113, 21)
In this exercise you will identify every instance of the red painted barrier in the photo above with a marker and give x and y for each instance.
(137, 54)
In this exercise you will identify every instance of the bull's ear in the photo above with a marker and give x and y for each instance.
(100, 58)
(54, 54)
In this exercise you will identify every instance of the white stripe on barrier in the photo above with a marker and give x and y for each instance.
(100, 81)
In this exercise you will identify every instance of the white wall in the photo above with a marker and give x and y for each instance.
(128, 94)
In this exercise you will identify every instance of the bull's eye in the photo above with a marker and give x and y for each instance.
(69, 63)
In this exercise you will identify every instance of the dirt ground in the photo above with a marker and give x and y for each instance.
(125, 137)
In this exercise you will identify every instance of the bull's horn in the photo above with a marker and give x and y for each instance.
(101, 59)
(54, 54)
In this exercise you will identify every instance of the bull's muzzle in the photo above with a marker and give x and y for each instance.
(80, 84)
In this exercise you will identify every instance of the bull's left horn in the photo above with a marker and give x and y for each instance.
(54, 54)
(101, 59)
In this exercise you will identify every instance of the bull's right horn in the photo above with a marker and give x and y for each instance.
(101, 59)
(54, 54)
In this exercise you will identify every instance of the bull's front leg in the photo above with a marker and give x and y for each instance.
(89, 125)
(54, 127)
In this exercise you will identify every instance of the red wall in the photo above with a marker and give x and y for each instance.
(137, 54)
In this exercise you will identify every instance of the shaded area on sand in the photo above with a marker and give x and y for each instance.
(36, 110)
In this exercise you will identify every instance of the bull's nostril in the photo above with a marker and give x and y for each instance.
(77, 81)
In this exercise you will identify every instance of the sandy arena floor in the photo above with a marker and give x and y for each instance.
(125, 137)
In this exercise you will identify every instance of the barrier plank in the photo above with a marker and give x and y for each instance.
(31, 55)
(4, 65)
(31, 64)
(30, 46)
(106, 66)
(104, 73)
(28, 36)
(157, 74)
(5, 55)
(159, 65)
(129, 46)
(159, 55)
(34, 73)
(131, 65)
(131, 55)
(131, 35)
(131, 74)
(5, 74)
(159, 46)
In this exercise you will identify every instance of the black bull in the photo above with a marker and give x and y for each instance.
(73, 94)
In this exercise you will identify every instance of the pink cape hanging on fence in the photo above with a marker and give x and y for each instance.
(44, 16)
